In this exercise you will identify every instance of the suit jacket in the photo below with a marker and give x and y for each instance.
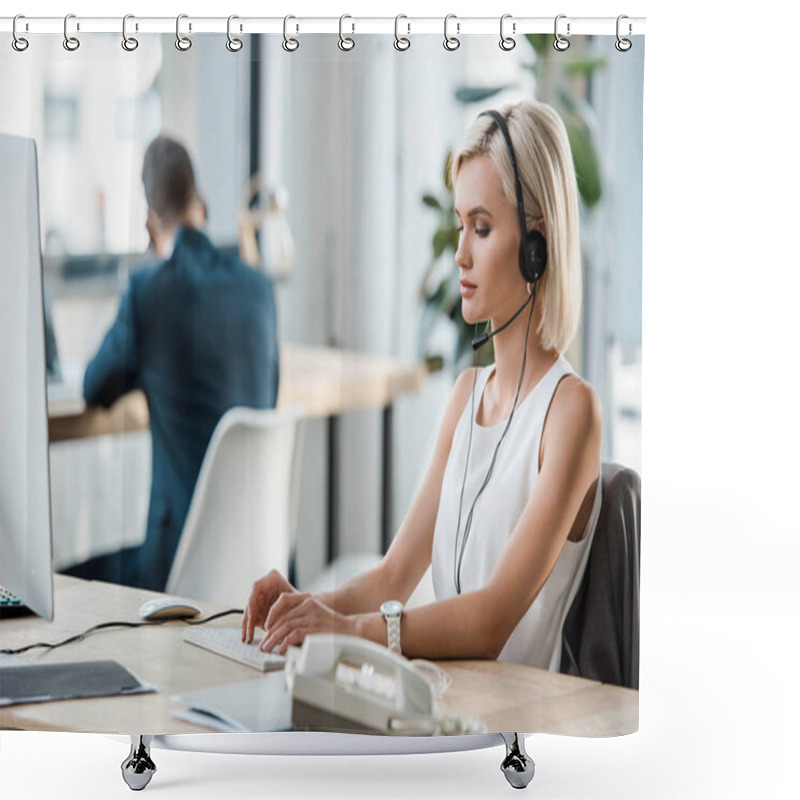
(198, 334)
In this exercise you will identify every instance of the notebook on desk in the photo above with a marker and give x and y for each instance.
(262, 704)
(39, 683)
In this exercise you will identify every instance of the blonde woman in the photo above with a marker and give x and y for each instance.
(506, 512)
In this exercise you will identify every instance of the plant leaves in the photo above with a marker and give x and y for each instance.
(585, 67)
(584, 157)
(540, 42)
(584, 153)
(431, 201)
(442, 240)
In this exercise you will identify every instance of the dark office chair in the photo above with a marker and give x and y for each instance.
(600, 637)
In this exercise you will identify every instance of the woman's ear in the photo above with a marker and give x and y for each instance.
(540, 226)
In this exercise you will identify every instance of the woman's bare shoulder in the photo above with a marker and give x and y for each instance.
(576, 403)
(460, 395)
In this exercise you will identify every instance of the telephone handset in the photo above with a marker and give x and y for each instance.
(345, 683)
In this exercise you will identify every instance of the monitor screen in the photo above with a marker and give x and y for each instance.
(25, 526)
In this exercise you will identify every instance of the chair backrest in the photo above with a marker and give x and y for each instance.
(242, 518)
(600, 637)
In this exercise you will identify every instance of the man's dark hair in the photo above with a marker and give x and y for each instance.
(168, 178)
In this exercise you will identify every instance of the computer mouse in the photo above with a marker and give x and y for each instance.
(166, 607)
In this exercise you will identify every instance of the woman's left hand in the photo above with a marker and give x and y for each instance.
(295, 615)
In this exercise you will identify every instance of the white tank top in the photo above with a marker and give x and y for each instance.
(536, 640)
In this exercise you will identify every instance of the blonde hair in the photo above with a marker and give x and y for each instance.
(549, 191)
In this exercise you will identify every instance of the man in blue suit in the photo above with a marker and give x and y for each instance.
(197, 333)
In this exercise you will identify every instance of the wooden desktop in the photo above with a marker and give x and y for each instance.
(506, 697)
(325, 381)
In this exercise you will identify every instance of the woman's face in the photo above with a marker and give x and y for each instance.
(492, 286)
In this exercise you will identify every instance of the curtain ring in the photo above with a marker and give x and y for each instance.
(560, 42)
(18, 42)
(233, 44)
(289, 44)
(71, 43)
(623, 45)
(183, 43)
(507, 42)
(128, 42)
(451, 42)
(400, 42)
(345, 42)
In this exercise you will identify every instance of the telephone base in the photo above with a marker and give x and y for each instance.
(307, 717)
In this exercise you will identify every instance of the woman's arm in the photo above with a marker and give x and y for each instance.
(477, 624)
(400, 570)
(409, 555)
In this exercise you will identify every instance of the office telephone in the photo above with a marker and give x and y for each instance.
(348, 684)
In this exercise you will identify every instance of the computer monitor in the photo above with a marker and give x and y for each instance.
(26, 545)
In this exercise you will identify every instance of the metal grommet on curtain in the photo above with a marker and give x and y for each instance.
(183, 43)
(128, 42)
(451, 42)
(560, 42)
(289, 44)
(507, 42)
(71, 43)
(345, 42)
(623, 45)
(233, 44)
(18, 42)
(400, 42)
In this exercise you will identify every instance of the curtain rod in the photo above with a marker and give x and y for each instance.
(407, 26)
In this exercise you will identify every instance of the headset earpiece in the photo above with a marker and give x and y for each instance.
(534, 258)
(533, 250)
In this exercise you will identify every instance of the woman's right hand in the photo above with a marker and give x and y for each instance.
(265, 592)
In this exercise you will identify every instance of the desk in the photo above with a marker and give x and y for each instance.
(507, 697)
(325, 381)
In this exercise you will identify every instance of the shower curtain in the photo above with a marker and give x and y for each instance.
(323, 190)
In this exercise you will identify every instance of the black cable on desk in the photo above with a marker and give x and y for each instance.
(119, 624)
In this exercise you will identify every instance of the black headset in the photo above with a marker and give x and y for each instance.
(533, 246)
(532, 264)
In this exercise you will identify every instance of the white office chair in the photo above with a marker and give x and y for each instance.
(242, 519)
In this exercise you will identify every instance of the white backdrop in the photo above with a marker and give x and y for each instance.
(720, 603)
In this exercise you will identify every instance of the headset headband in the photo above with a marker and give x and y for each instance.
(501, 124)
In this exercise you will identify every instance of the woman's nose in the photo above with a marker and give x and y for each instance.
(462, 257)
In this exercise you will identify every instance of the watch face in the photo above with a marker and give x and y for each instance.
(392, 608)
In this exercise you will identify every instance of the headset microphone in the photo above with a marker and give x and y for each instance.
(532, 264)
(533, 246)
(481, 340)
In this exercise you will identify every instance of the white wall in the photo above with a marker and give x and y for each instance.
(356, 275)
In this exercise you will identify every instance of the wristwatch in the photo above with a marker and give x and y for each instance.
(392, 610)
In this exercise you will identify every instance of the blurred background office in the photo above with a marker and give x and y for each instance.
(352, 218)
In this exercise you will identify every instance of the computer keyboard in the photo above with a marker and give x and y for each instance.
(11, 605)
(228, 642)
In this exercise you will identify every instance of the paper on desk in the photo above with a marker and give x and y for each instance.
(263, 704)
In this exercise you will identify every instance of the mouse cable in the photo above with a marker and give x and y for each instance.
(7, 651)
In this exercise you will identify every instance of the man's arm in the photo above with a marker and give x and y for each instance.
(112, 372)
